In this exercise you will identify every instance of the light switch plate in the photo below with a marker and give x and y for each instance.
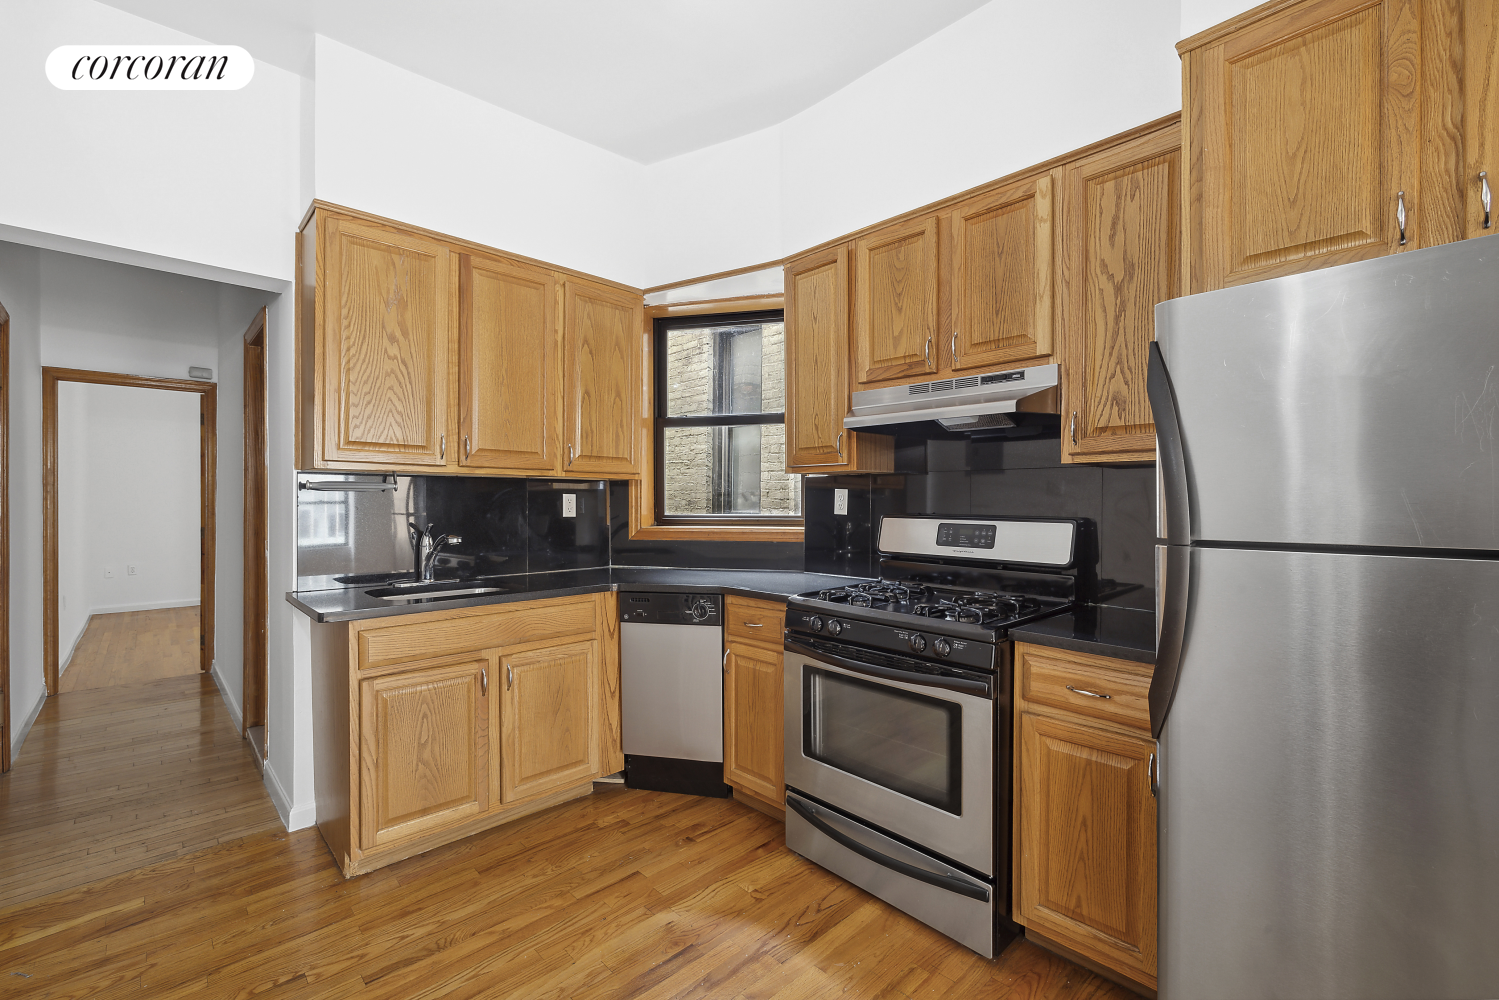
(840, 501)
(569, 505)
(130, 570)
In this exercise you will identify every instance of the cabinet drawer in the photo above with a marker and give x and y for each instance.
(1095, 686)
(757, 621)
(474, 629)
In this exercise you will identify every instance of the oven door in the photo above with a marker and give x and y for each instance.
(909, 752)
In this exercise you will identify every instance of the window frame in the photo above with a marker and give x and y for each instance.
(660, 422)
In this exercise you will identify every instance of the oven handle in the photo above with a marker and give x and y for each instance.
(960, 684)
(960, 886)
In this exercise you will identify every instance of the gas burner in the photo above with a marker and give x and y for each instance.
(863, 599)
(838, 596)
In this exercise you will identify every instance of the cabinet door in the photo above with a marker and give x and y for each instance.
(507, 366)
(386, 333)
(548, 720)
(1002, 277)
(817, 391)
(1121, 255)
(423, 751)
(1088, 841)
(1302, 128)
(752, 723)
(602, 337)
(1480, 123)
(895, 302)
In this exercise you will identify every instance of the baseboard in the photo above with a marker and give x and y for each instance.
(118, 609)
(67, 661)
(19, 737)
(230, 701)
(298, 817)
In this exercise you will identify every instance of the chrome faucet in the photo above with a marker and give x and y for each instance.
(427, 545)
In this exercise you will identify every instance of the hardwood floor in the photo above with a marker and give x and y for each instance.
(134, 646)
(622, 894)
(115, 778)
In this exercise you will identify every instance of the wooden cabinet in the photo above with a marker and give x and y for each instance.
(817, 371)
(509, 366)
(436, 725)
(420, 353)
(895, 301)
(383, 390)
(1121, 256)
(1085, 813)
(1329, 131)
(1002, 267)
(753, 742)
(549, 739)
(1480, 115)
(424, 749)
(602, 342)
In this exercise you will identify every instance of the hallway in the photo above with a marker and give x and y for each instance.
(134, 646)
(114, 778)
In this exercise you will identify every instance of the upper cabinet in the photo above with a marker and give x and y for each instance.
(508, 365)
(602, 342)
(1480, 116)
(1121, 256)
(1330, 131)
(817, 371)
(1002, 285)
(421, 354)
(384, 297)
(895, 301)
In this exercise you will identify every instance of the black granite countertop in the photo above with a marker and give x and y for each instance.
(1123, 633)
(352, 603)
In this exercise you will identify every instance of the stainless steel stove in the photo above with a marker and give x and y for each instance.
(898, 696)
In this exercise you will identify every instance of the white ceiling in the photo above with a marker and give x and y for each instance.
(648, 79)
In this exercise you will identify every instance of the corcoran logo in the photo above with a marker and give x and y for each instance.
(149, 67)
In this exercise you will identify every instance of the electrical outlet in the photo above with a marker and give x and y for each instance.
(109, 572)
(569, 505)
(130, 570)
(840, 502)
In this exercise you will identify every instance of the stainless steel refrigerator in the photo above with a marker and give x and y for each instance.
(1326, 693)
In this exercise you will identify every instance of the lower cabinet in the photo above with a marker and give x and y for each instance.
(753, 739)
(1085, 814)
(433, 726)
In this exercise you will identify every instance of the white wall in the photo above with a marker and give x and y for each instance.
(21, 294)
(129, 489)
(209, 177)
(1199, 15)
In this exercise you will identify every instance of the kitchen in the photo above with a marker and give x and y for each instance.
(1053, 271)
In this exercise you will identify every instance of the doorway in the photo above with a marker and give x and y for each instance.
(54, 453)
(257, 533)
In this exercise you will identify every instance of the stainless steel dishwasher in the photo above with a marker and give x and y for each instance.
(671, 692)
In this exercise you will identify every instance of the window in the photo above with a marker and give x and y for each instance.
(721, 421)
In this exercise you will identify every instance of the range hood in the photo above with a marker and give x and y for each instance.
(971, 402)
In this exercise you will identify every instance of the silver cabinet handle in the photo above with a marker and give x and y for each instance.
(465, 446)
(1155, 784)
(840, 445)
(442, 446)
(726, 663)
(1074, 428)
(952, 348)
(1400, 214)
(569, 454)
(1090, 694)
(1483, 178)
(484, 682)
(929, 352)
(509, 677)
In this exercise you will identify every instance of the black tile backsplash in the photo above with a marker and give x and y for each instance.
(678, 554)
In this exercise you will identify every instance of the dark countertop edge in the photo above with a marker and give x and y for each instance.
(1047, 632)
(358, 614)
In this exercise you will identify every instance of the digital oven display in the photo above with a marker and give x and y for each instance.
(966, 536)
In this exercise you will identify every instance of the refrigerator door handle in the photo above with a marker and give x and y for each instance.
(1175, 496)
(1175, 593)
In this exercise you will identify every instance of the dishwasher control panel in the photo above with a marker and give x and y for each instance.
(670, 609)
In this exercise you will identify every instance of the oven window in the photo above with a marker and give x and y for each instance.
(909, 743)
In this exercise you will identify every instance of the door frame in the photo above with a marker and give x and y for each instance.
(256, 526)
(4, 540)
(208, 470)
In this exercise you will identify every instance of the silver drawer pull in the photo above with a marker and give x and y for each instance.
(754, 624)
(1090, 694)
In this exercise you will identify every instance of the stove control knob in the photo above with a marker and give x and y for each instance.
(942, 647)
(815, 622)
(918, 644)
(834, 626)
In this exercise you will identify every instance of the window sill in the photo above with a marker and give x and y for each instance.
(719, 532)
